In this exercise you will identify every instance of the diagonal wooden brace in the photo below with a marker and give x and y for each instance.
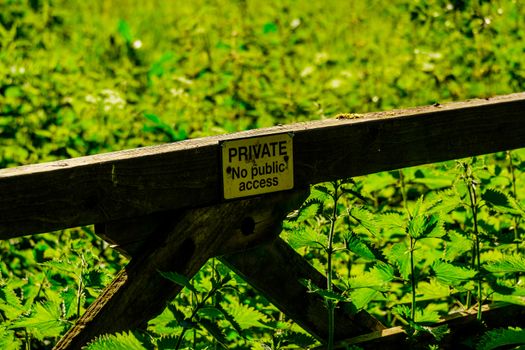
(273, 268)
(182, 242)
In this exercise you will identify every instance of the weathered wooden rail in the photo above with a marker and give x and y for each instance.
(164, 205)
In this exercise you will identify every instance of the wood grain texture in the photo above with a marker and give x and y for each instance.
(106, 187)
(182, 243)
(275, 270)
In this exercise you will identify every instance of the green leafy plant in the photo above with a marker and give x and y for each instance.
(78, 80)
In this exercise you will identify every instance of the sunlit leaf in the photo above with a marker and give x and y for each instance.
(449, 274)
(358, 247)
(508, 264)
(118, 341)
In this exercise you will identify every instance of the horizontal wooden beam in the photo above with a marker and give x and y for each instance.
(462, 326)
(100, 188)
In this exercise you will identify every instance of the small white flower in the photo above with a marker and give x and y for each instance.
(335, 83)
(307, 71)
(17, 70)
(184, 80)
(450, 7)
(177, 92)
(137, 44)
(91, 99)
(295, 23)
(487, 20)
(375, 99)
(321, 57)
(428, 67)
(435, 55)
(112, 99)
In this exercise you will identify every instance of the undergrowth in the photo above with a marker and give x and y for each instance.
(409, 246)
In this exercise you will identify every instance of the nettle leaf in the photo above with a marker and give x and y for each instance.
(426, 226)
(213, 329)
(449, 274)
(209, 312)
(323, 189)
(362, 297)
(392, 222)
(44, 321)
(95, 278)
(456, 246)
(310, 209)
(402, 310)
(168, 342)
(377, 278)
(118, 341)
(443, 201)
(358, 247)
(501, 201)
(497, 338)
(179, 279)
(8, 340)
(63, 266)
(427, 315)
(178, 315)
(69, 297)
(398, 255)
(10, 304)
(432, 290)
(512, 299)
(168, 321)
(508, 264)
(418, 207)
(325, 294)
(245, 316)
(322, 193)
(299, 339)
(305, 237)
(365, 218)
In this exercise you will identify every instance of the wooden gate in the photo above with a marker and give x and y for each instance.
(164, 206)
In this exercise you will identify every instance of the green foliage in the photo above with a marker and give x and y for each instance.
(359, 247)
(508, 264)
(449, 274)
(398, 255)
(501, 201)
(118, 341)
(79, 78)
(45, 320)
(501, 337)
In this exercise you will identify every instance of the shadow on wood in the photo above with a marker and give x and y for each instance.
(182, 242)
(275, 270)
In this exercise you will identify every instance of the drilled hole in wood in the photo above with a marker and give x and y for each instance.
(247, 226)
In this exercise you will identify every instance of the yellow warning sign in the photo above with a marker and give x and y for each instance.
(257, 165)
